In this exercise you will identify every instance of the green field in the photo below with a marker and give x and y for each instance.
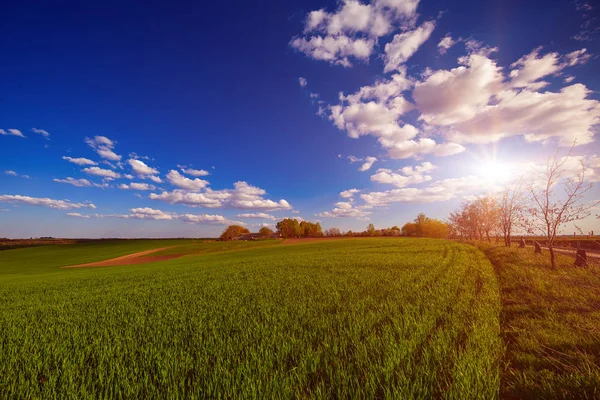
(369, 318)
(372, 318)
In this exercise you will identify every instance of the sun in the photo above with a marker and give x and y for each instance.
(495, 172)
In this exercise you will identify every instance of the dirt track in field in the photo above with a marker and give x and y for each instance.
(141, 257)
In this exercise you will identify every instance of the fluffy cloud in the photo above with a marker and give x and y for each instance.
(345, 209)
(79, 161)
(248, 196)
(302, 81)
(405, 44)
(408, 175)
(147, 213)
(532, 67)
(445, 44)
(567, 115)
(243, 196)
(347, 194)
(104, 147)
(105, 173)
(369, 161)
(335, 49)
(74, 182)
(140, 168)
(476, 103)
(353, 29)
(194, 172)
(42, 132)
(44, 202)
(449, 97)
(176, 179)
(412, 148)
(257, 215)
(208, 199)
(202, 218)
(11, 132)
(137, 186)
(376, 110)
(78, 215)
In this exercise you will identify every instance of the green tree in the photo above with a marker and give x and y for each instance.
(371, 230)
(232, 231)
(409, 229)
(265, 231)
(289, 228)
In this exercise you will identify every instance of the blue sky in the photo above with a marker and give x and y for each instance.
(175, 119)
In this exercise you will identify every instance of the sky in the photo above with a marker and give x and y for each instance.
(175, 119)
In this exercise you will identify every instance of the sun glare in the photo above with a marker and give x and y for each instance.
(495, 172)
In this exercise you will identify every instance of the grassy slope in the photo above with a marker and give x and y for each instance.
(44, 259)
(551, 324)
(358, 317)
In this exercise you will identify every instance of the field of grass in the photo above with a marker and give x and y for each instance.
(551, 324)
(369, 318)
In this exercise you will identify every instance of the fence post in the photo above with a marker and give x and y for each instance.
(581, 258)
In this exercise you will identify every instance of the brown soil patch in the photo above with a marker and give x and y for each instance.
(129, 259)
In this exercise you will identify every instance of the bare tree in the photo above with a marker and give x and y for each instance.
(512, 203)
(549, 212)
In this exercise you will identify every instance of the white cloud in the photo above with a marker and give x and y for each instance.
(569, 79)
(248, 196)
(140, 168)
(106, 173)
(11, 132)
(78, 215)
(104, 147)
(302, 81)
(42, 132)
(347, 194)
(531, 67)
(376, 110)
(369, 161)
(334, 49)
(449, 97)
(13, 173)
(243, 196)
(208, 199)
(405, 44)
(257, 215)
(79, 161)
(44, 202)
(445, 44)
(194, 172)
(149, 213)
(409, 175)
(353, 29)
(153, 178)
(137, 186)
(74, 182)
(413, 148)
(566, 115)
(176, 179)
(438, 191)
(345, 210)
(202, 218)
